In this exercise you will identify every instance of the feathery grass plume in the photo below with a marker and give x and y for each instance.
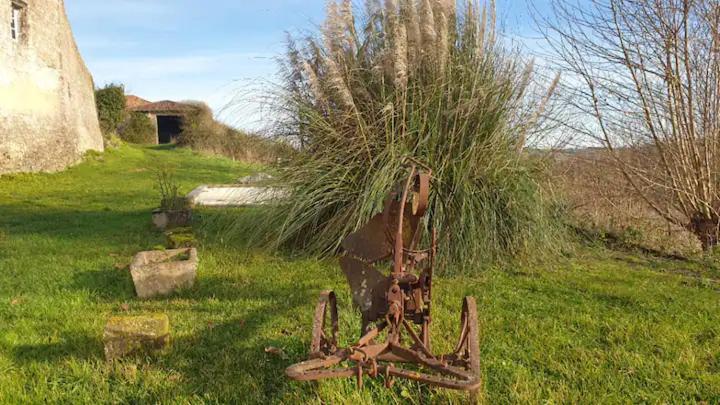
(313, 82)
(292, 65)
(409, 17)
(427, 30)
(480, 38)
(390, 31)
(439, 7)
(448, 7)
(492, 20)
(391, 15)
(401, 60)
(348, 19)
(537, 113)
(488, 203)
(527, 73)
(337, 83)
(333, 33)
(372, 8)
(443, 43)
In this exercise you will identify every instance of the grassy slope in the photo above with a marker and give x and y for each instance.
(601, 326)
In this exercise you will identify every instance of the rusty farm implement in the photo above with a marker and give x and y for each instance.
(396, 307)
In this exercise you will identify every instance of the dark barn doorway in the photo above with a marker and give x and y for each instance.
(169, 128)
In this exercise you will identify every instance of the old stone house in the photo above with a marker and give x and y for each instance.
(47, 103)
(167, 116)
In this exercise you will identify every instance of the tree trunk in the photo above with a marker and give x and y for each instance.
(706, 230)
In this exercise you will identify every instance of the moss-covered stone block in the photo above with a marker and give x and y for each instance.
(131, 335)
(180, 238)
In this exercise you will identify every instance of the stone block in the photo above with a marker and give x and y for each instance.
(160, 219)
(164, 271)
(171, 219)
(130, 335)
(180, 238)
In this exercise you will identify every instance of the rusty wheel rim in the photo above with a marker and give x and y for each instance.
(469, 344)
(469, 319)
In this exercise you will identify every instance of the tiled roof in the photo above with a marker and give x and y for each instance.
(134, 101)
(165, 106)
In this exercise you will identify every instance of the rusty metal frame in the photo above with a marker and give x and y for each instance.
(396, 307)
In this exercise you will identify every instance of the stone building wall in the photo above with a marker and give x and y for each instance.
(47, 102)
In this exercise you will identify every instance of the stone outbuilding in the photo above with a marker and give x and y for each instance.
(167, 116)
(48, 117)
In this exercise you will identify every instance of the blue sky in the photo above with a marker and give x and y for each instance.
(214, 51)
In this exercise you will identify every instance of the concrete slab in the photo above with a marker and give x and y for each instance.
(234, 196)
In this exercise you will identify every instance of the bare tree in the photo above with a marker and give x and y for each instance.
(648, 74)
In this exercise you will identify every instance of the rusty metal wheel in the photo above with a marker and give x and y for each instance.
(469, 346)
(324, 333)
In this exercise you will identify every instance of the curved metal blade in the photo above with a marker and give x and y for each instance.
(367, 284)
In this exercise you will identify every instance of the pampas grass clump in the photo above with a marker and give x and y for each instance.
(422, 80)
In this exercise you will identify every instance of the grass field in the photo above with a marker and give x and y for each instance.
(600, 326)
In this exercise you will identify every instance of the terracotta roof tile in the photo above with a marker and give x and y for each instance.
(134, 101)
(165, 106)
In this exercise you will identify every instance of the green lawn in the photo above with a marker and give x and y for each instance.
(600, 326)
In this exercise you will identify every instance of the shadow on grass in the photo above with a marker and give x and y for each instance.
(105, 284)
(243, 359)
(618, 302)
(86, 229)
(164, 147)
(93, 248)
(41, 218)
(225, 361)
(689, 269)
(72, 345)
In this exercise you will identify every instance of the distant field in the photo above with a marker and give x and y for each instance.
(597, 327)
(600, 199)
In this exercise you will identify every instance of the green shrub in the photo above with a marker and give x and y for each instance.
(170, 197)
(199, 128)
(426, 82)
(138, 128)
(201, 132)
(111, 105)
(244, 147)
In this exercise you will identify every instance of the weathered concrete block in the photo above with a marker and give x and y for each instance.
(171, 219)
(128, 335)
(164, 271)
(160, 219)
